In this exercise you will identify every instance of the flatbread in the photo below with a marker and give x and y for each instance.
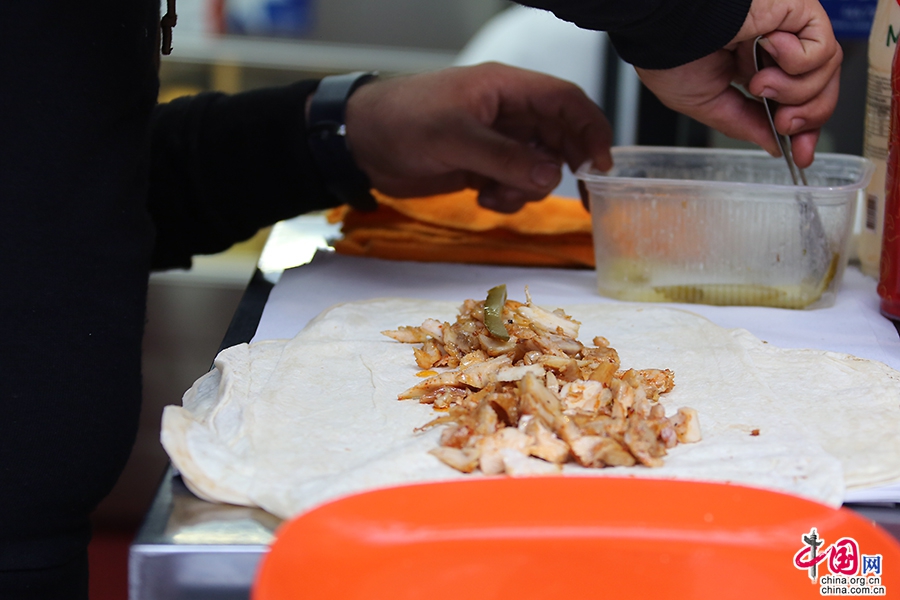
(287, 425)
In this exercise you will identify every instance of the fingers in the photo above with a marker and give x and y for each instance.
(554, 114)
(805, 83)
(470, 146)
(569, 124)
(791, 119)
(536, 124)
(499, 198)
(806, 78)
(810, 49)
(502, 130)
(702, 90)
(740, 118)
(803, 147)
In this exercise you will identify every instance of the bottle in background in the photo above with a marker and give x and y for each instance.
(889, 280)
(882, 42)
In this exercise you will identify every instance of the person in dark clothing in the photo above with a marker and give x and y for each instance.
(99, 185)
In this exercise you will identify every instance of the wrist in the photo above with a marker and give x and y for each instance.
(326, 114)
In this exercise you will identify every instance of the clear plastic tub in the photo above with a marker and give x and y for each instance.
(716, 226)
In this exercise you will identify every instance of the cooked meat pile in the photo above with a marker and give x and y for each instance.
(522, 395)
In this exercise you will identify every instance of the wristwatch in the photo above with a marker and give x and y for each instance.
(327, 138)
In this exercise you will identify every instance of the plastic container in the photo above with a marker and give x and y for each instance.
(534, 538)
(716, 226)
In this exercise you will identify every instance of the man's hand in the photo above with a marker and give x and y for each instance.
(501, 130)
(799, 37)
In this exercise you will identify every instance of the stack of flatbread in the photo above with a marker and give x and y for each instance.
(453, 228)
(289, 424)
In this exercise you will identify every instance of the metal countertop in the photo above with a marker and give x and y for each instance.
(188, 548)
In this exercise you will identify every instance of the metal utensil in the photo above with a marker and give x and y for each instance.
(821, 261)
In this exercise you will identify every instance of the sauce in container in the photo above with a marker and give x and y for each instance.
(889, 281)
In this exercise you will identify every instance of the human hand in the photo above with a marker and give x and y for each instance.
(498, 129)
(799, 37)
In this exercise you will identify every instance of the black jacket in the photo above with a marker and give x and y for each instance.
(656, 34)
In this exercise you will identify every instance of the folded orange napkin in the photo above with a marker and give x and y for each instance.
(453, 228)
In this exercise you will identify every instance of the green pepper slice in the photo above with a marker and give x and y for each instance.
(493, 312)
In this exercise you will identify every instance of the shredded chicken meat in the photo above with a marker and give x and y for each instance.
(532, 402)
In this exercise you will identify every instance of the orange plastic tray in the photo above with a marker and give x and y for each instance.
(562, 537)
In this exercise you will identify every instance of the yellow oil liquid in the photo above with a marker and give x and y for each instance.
(637, 288)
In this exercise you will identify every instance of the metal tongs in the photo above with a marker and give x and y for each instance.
(821, 261)
(784, 142)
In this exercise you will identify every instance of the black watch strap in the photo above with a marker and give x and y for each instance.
(326, 135)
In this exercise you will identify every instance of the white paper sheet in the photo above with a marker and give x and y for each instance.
(853, 325)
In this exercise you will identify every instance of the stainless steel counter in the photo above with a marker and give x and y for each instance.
(188, 548)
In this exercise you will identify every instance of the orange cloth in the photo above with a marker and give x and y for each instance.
(452, 228)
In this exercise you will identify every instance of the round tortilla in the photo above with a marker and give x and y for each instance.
(287, 425)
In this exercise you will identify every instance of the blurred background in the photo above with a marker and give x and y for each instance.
(234, 45)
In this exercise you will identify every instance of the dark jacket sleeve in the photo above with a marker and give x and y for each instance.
(223, 166)
(656, 34)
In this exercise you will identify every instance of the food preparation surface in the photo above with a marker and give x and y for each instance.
(190, 548)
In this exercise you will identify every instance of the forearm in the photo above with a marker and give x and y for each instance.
(656, 34)
(224, 166)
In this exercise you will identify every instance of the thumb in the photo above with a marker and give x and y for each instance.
(513, 164)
